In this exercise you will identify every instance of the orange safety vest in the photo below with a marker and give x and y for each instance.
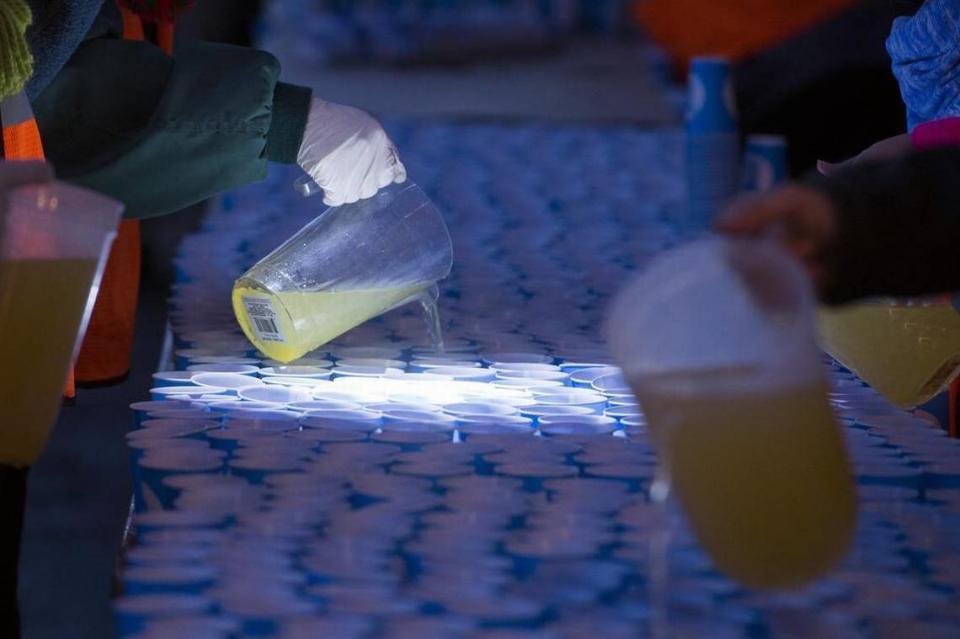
(108, 344)
(105, 352)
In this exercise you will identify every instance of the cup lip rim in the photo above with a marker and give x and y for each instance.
(103, 210)
(185, 390)
(318, 372)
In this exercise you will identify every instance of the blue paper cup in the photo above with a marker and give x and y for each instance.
(172, 378)
(169, 578)
(764, 162)
(133, 612)
(158, 465)
(140, 409)
(710, 99)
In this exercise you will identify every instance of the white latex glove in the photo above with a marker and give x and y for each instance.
(347, 152)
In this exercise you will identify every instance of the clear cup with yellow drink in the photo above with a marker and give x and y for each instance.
(54, 241)
(716, 339)
(351, 263)
(907, 350)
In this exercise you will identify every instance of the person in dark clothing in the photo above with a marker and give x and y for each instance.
(884, 222)
(872, 228)
(828, 89)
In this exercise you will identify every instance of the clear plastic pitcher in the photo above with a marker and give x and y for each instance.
(716, 339)
(54, 242)
(907, 350)
(350, 264)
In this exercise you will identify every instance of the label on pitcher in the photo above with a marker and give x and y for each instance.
(263, 319)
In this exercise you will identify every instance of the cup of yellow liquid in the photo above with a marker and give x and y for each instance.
(907, 350)
(350, 264)
(54, 242)
(716, 338)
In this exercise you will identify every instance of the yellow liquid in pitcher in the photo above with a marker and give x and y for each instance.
(907, 353)
(41, 307)
(763, 475)
(287, 325)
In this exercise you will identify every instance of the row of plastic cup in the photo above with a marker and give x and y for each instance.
(365, 500)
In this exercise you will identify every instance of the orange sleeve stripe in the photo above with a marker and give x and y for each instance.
(22, 141)
(132, 25)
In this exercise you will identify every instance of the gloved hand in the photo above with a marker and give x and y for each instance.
(347, 153)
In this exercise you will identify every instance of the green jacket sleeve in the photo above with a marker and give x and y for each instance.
(161, 133)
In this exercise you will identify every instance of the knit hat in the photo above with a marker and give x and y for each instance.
(16, 63)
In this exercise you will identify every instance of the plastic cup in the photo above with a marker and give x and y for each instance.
(277, 395)
(262, 419)
(573, 429)
(525, 366)
(493, 359)
(474, 431)
(405, 405)
(748, 395)
(172, 378)
(140, 409)
(366, 371)
(158, 465)
(372, 361)
(54, 241)
(595, 420)
(195, 627)
(167, 428)
(353, 415)
(552, 375)
(225, 381)
(527, 383)
(479, 409)
(584, 377)
(322, 404)
(187, 393)
(420, 416)
(426, 365)
(304, 372)
(186, 362)
(764, 162)
(133, 612)
(537, 411)
(623, 411)
(569, 397)
(256, 468)
(318, 362)
(161, 553)
(351, 263)
(413, 433)
(367, 352)
(171, 577)
(612, 385)
(237, 369)
(509, 420)
(305, 383)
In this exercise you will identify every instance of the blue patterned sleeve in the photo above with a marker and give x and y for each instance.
(925, 50)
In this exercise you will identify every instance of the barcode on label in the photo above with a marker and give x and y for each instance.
(264, 319)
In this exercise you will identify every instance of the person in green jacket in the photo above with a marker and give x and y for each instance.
(160, 133)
